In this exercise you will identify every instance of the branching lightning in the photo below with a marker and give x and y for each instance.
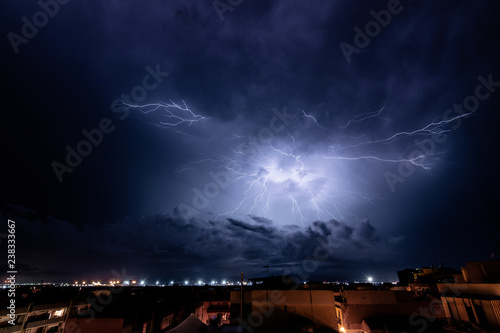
(272, 174)
(433, 128)
(362, 117)
(192, 165)
(289, 175)
(173, 114)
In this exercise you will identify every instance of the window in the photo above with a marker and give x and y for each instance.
(58, 313)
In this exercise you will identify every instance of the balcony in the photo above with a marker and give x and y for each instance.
(10, 329)
(43, 322)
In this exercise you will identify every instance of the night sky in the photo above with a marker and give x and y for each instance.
(198, 139)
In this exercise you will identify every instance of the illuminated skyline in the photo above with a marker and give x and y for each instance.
(181, 142)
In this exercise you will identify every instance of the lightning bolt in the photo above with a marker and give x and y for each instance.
(293, 178)
(285, 174)
(311, 117)
(433, 128)
(173, 114)
(414, 160)
(192, 165)
(362, 117)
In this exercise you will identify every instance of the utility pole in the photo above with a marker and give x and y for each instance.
(267, 284)
(311, 298)
(25, 320)
(241, 296)
(66, 315)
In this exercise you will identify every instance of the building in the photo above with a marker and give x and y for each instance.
(42, 318)
(213, 312)
(428, 275)
(279, 310)
(94, 310)
(384, 310)
(481, 272)
(108, 325)
(474, 304)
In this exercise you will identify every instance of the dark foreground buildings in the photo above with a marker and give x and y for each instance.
(428, 299)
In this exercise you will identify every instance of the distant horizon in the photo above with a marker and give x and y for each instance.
(219, 282)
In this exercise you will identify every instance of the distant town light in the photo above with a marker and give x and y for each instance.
(186, 282)
(370, 279)
(142, 282)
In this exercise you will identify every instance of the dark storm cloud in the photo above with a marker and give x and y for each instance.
(164, 244)
(264, 55)
(259, 219)
(248, 227)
